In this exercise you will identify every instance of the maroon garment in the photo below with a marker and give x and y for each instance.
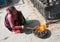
(17, 22)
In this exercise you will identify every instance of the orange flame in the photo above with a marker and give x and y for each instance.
(41, 27)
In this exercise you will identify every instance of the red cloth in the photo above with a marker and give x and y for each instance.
(16, 31)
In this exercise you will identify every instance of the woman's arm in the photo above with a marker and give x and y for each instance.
(9, 17)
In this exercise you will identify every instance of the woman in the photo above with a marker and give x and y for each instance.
(14, 20)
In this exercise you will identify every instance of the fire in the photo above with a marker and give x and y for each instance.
(41, 27)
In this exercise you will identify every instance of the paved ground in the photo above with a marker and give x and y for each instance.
(29, 12)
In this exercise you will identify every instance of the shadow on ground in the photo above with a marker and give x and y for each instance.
(31, 25)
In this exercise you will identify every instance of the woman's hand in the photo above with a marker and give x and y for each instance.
(23, 26)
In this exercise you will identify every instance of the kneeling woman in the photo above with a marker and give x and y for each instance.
(14, 20)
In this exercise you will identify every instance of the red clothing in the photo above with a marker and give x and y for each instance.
(17, 31)
(16, 23)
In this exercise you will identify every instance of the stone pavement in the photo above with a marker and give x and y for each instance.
(32, 13)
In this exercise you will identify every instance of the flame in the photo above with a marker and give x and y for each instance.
(41, 27)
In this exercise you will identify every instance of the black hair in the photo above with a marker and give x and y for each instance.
(11, 9)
